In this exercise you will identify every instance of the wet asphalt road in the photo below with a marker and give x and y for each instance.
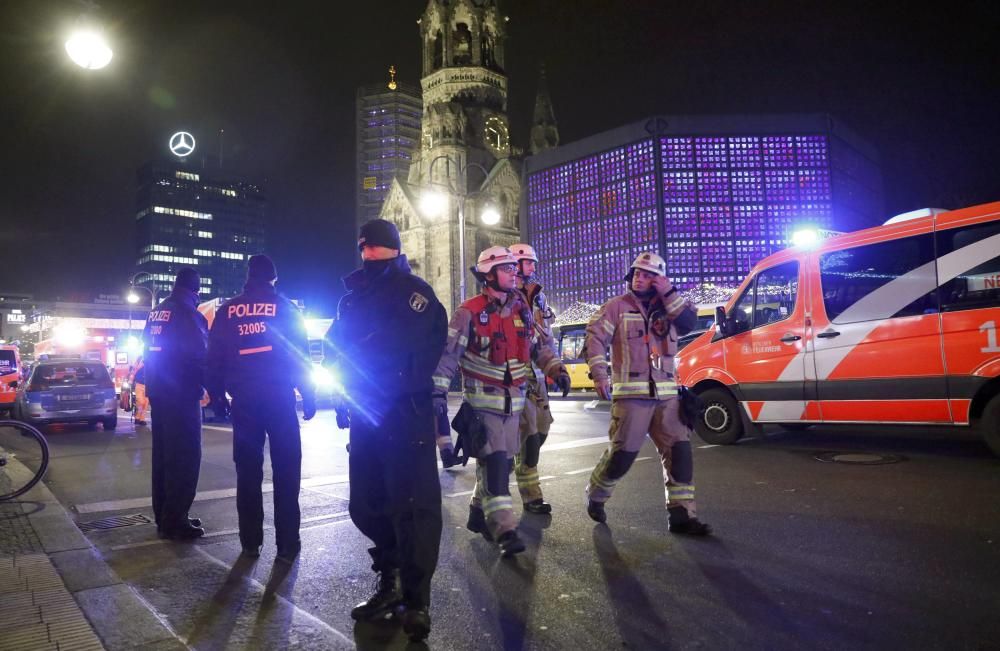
(807, 554)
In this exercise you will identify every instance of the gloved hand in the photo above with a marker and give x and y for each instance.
(564, 383)
(603, 388)
(308, 405)
(343, 418)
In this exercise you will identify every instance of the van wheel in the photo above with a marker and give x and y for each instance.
(720, 424)
(990, 424)
(110, 423)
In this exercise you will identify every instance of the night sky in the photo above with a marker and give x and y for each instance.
(922, 85)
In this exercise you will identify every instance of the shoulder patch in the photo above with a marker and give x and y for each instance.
(418, 302)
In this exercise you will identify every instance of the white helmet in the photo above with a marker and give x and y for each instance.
(649, 261)
(524, 251)
(493, 256)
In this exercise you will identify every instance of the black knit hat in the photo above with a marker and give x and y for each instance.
(188, 279)
(379, 232)
(261, 267)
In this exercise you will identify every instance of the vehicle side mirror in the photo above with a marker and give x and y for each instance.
(725, 326)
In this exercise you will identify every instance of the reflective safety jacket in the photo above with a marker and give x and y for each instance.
(257, 347)
(642, 341)
(541, 336)
(490, 341)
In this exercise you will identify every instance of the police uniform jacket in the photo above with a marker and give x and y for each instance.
(176, 337)
(389, 334)
(258, 345)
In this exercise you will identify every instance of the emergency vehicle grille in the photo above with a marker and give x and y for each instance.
(859, 458)
(114, 523)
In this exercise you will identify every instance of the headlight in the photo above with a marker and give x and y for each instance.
(325, 378)
(125, 385)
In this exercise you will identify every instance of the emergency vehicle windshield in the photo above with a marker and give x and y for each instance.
(8, 362)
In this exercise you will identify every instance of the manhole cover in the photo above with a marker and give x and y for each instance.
(859, 458)
(114, 523)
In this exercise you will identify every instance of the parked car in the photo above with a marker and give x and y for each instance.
(68, 391)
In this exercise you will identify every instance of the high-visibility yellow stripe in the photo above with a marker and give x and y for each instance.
(642, 389)
(463, 340)
(597, 359)
(498, 503)
(608, 327)
(441, 383)
(254, 351)
(680, 493)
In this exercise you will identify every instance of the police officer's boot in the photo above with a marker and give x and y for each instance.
(539, 507)
(596, 511)
(477, 523)
(416, 624)
(510, 544)
(388, 595)
(682, 523)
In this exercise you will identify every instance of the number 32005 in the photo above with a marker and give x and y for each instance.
(251, 328)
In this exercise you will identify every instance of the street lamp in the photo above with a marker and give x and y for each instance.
(86, 45)
(434, 203)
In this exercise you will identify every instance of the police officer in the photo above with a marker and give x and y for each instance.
(489, 338)
(536, 419)
(258, 353)
(176, 336)
(389, 334)
(640, 329)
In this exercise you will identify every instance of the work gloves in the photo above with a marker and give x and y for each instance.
(564, 383)
(603, 389)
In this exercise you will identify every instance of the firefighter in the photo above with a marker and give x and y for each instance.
(176, 336)
(258, 353)
(640, 329)
(389, 334)
(536, 419)
(489, 337)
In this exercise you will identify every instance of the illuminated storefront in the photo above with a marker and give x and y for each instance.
(713, 194)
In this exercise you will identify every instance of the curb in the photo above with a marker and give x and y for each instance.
(120, 618)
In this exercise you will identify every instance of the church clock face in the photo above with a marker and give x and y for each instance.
(496, 136)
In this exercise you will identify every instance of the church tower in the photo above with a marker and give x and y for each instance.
(544, 132)
(464, 153)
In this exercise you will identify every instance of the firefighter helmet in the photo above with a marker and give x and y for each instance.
(524, 252)
(494, 256)
(649, 261)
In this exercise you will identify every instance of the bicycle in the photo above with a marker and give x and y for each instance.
(23, 443)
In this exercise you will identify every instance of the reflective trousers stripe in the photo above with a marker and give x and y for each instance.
(441, 383)
(498, 503)
(680, 492)
(623, 389)
(254, 351)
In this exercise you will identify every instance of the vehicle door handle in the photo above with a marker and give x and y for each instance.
(790, 338)
(829, 334)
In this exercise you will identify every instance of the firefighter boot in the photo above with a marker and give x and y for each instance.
(477, 523)
(388, 595)
(682, 523)
(539, 507)
(596, 511)
(510, 544)
(416, 624)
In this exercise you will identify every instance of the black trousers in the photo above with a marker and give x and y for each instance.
(258, 419)
(396, 493)
(176, 458)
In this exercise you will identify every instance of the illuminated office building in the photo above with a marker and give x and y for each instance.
(388, 129)
(196, 216)
(713, 194)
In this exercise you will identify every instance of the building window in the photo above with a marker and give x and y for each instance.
(182, 213)
(205, 234)
(186, 176)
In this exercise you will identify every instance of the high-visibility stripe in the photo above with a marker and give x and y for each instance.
(680, 493)
(552, 363)
(499, 503)
(441, 382)
(494, 402)
(463, 341)
(597, 359)
(608, 327)
(642, 389)
(675, 304)
(254, 351)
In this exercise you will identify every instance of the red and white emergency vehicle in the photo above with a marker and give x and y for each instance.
(893, 324)
(10, 376)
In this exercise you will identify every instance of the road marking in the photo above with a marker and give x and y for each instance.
(568, 445)
(460, 494)
(221, 494)
(546, 477)
(291, 603)
(705, 447)
(217, 428)
(578, 472)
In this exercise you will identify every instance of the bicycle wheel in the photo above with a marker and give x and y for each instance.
(24, 457)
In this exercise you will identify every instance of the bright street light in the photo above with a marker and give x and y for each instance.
(433, 203)
(132, 298)
(805, 238)
(490, 216)
(88, 49)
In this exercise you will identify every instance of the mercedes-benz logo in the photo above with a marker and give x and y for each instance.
(182, 144)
